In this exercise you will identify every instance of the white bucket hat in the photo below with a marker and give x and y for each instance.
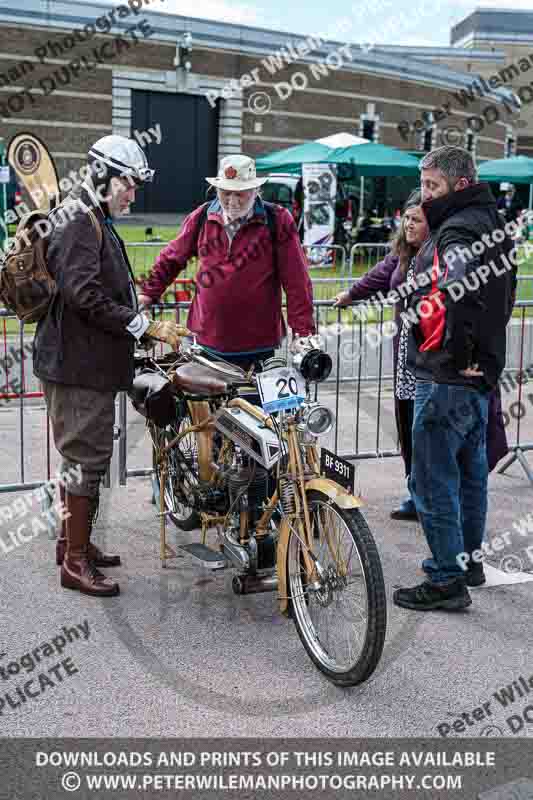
(237, 173)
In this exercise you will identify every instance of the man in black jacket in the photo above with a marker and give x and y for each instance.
(83, 348)
(457, 350)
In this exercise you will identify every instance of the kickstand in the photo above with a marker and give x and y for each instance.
(165, 550)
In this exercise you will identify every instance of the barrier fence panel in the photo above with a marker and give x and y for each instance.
(519, 370)
(335, 252)
(365, 255)
(26, 439)
(360, 390)
(524, 289)
(143, 255)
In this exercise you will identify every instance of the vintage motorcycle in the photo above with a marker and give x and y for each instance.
(235, 455)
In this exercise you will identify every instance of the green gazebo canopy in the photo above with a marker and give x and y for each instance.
(518, 169)
(374, 160)
(292, 158)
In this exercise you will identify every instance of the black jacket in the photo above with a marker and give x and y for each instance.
(83, 341)
(475, 329)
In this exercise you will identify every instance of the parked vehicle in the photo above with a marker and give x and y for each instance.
(280, 514)
(281, 189)
(287, 190)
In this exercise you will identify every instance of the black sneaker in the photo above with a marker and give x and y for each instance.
(429, 597)
(475, 574)
(406, 511)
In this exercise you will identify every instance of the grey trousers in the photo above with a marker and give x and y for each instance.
(82, 424)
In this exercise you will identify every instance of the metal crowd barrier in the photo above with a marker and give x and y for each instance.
(524, 289)
(361, 380)
(19, 389)
(142, 257)
(359, 390)
(336, 252)
(365, 255)
(28, 389)
(13, 349)
(516, 375)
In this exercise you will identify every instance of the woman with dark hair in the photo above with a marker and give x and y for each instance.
(396, 268)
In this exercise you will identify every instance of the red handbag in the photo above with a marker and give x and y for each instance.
(432, 325)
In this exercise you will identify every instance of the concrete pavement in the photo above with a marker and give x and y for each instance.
(179, 654)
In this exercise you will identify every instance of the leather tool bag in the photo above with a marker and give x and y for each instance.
(152, 396)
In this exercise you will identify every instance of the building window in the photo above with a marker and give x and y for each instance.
(470, 142)
(510, 144)
(426, 134)
(425, 139)
(369, 124)
(368, 129)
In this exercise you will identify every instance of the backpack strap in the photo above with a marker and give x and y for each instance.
(270, 209)
(96, 226)
(272, 222)
(435, 271)
(200, 222)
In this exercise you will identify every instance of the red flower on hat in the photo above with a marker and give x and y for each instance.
(230, 173)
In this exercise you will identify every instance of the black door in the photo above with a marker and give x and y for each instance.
(186, 155)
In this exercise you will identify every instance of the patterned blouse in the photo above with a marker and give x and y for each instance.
(405, 380)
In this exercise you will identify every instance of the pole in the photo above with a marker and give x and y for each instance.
(3, 225)
(531, 196)
(361, 196)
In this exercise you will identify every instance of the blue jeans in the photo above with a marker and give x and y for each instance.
(449, 474)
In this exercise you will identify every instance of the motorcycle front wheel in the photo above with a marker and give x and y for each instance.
(341, 615)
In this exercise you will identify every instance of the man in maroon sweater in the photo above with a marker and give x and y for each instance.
(244, 263)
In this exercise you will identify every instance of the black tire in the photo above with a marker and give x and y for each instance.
(368, 559)
(184, 521)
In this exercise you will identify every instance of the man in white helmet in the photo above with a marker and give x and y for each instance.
(83, 348)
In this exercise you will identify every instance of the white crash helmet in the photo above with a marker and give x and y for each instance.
(123, 157)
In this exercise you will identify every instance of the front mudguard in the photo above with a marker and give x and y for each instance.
(336, 493)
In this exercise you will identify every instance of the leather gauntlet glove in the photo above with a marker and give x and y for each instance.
(166, 331)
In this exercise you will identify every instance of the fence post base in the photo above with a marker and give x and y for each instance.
(519, 456)
(46, 504)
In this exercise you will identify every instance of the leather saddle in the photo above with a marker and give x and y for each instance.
(195, 379)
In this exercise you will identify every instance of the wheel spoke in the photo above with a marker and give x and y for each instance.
(333, 619)
(182, 465)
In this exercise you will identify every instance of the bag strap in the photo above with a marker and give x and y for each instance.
(96, 226)
(202, 216)
(272, 227)
(435, 270)
(271, 222)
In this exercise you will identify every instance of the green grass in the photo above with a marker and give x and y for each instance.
(142, 260)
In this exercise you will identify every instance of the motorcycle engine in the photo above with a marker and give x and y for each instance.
(249, 487)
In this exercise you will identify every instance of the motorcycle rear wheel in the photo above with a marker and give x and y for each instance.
(182, 515)
(342, 620)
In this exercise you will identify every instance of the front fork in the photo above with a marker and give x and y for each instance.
(302, 517)
(299, 522)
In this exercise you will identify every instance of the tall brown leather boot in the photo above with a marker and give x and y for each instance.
(77, 571)
(98, 558)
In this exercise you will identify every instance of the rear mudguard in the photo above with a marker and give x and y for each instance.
(339, 496)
